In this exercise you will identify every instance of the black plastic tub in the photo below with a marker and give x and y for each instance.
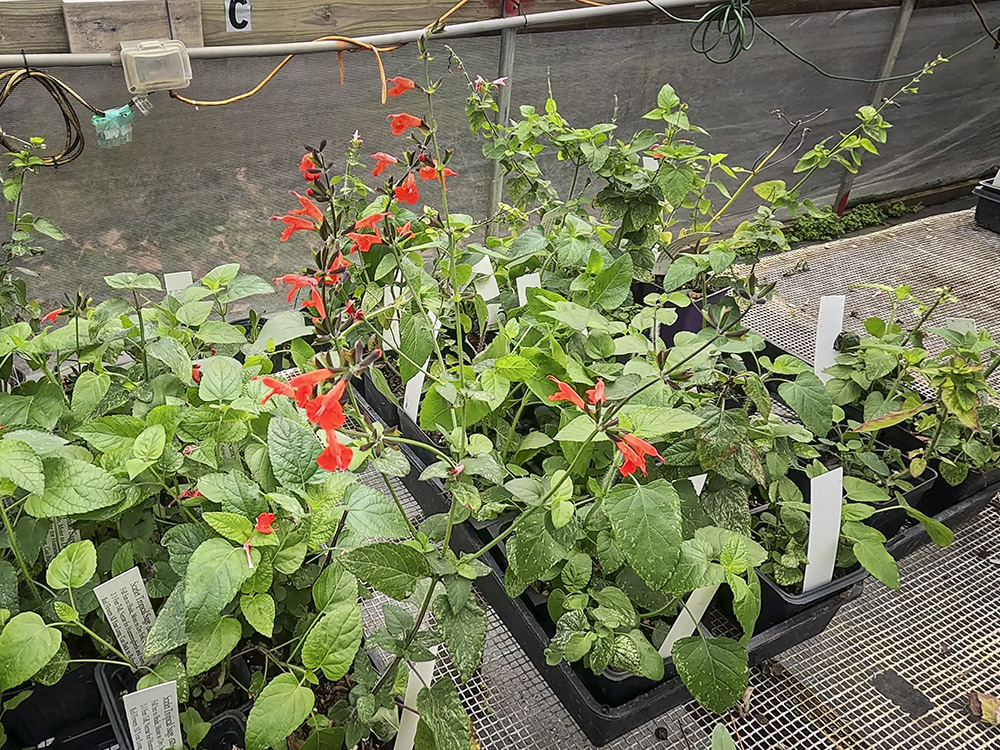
(987, 205)
(69, 715)
(689, 318)
(912, 538)
(228, 726)
(382, 405)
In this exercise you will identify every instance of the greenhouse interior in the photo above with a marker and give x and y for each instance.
(500, 374)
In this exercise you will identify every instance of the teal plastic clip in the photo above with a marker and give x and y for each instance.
(115, 128)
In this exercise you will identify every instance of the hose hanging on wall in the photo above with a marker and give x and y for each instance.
(61, 93)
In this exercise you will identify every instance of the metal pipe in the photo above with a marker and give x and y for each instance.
(505, 69)
(878, 89)
(452, 31)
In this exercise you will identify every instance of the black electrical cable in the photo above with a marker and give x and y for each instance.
(733, 24)
(62, 95)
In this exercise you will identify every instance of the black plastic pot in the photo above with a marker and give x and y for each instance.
(228, 727)
(987, 205)
(382, 405)
(915, 537)
(689, 318)
(66, 716)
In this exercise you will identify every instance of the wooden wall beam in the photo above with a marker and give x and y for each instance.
(32, 25)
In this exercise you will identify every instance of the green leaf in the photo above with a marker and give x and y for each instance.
(20, 464)
(464, 633)
(811, 402)
(259, 611)
(220, 276)
(333, 586)
(940, 534)
(531, 552)
(279, 710)
(169, 630)
(515, 368)
(393, 569)
(149, 445)
(246, 285)
(235, 491)
(373, 515)
(195, 730)
(194, 313)
(173, 354)
(714, 670)
(73, 567)
(293, 449)
(579, 429)
(111, 432)
(758, 393)
(46, 227)
(26, 645)
(891, 418)
(443, 724)
(657, 421)
(214, 575)
(279, 329)
(169, 668)
(181, 541)
(861, 491)
(88, 391)
(133, 281)
(235, 528)
(221, 380)
(612, 286)
(72, 487)
(218, 332)
(874, 557)
(332, 645)
(416, 340)
(646, 521)
(721, 739)
(210, 644)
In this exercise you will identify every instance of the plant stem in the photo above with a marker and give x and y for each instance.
(142, 335)
(399, 503)
(421, 614)
(15, 548)
(513, 424)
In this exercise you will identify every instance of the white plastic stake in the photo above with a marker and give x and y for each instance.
(528, 280)
(827, 501)
(828, 328)
(415, 386)
(408, 720)
(996, 180)
(648, 162)
(696, 604)
(175, 283)
(487, 287)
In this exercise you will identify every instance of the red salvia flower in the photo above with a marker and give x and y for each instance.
(371, 221)
(364, 242)
(326, 411)
(430, 173)
(278, 388)
(189, 494)
(293, 224)
(297, 282)
(316, 302)
(303, 384)
(406, 192)
(382, 160)
(565, 393)
(50, 317)
(404, 231)
(309, 208)
(336, 267)
(635, 450)
(596, 395)
(264, 521)
(307, 166)
(354, 310)
(401, 122)
(400, 85)
(196, 373)
(335, 457)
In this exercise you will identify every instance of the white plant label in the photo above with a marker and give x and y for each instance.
(408, 720)
(525, 282)
(152, 716)
(129, 611)
(828, 328)
(826, 504)
(696, 605)
(175, 283)
(415, 386)
(487, 287)
(237, 15)
(60, 535)
(648, 162)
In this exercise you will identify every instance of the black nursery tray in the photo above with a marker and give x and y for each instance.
(66, 716)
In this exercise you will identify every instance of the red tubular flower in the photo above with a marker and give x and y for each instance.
(278, 388)
(635, 450)
(316, 302)
(50, 317)
(246, 548)
(596, 395)
(309, 208)
(196, 373)
(264, 521)
(382, 160)
(400, 85)
(326, 411)
(406, 192)
(364, 242)
(337, 266)
(335, 457)
(293, 224)
(188, 494)
(565, 393)
(401, 122)
(404, 231)
(371, 221)
(303, 384)
(297, 282)
(354, 310)
(307, 166)
(431, 173)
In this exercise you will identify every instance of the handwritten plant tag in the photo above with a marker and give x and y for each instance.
(153, 719)
(60, 535)
(129, 611)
